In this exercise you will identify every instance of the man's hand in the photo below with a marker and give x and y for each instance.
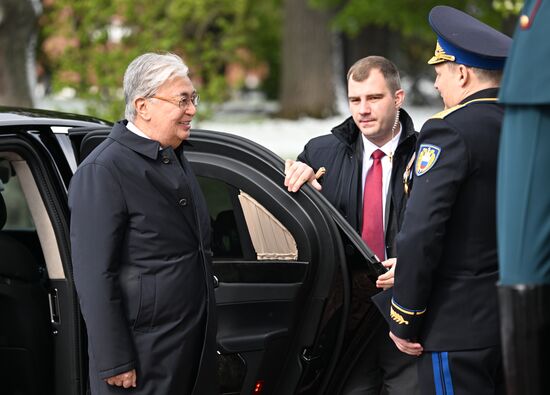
(386, 280)
(414, 349)
(126, 380)
(297, 174)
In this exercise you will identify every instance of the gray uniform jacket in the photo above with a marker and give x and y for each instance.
(140, 239)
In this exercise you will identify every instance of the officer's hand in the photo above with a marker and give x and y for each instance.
(414, 349)
(126, 380)
(297, 174)
(386, 280)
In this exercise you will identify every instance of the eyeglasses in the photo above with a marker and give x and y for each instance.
(183, 102)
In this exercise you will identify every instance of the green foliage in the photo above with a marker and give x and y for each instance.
(406, 23)
(409, 17)
(508, 7)
(81, 51)
(265, 20)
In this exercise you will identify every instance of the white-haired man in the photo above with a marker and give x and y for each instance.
(140, 234)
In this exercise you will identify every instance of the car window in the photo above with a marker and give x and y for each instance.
(238, 221)
(18, 213)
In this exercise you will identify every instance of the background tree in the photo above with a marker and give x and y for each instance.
(17, 38)
(399, 30)
(307, 87)
(89, 43)
(86, 45)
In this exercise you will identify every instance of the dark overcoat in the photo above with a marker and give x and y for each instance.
(140, 238)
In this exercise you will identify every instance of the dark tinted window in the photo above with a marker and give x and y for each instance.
(226, 241)
(242, 228)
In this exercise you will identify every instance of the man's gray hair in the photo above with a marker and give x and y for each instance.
(146, 74)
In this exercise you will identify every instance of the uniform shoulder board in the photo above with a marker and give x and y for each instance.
(444, 113)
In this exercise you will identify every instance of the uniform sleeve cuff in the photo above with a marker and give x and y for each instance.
(405, 323)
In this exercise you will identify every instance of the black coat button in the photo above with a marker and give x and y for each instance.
(183, 202)
(165, 160)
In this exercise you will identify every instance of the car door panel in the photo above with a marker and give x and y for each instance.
(254, 313)
(277, 320)
(55, 326)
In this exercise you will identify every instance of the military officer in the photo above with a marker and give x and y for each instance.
(444, 307)
(524, 204)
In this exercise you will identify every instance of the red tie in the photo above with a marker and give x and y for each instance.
(373, 228)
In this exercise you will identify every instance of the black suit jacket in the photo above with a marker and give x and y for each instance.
(341, 153)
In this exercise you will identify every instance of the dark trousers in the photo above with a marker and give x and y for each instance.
(383, 369)
(475, 372)
(525, 325)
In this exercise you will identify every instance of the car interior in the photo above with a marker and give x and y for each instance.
(244, 232)
(257, 267)
(250, 246)
(263, 259)
(26, 335)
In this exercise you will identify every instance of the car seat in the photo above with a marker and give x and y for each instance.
(225, 237)
(26, 351)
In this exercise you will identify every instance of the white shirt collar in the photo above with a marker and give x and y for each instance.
(388, 148)
(134, 129)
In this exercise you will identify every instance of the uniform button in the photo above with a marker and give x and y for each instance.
(524, 21)
(165, 160)
(183, 202)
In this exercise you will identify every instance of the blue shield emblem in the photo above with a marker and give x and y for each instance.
(427, 156)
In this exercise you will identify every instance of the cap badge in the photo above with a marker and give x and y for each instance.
(440, 55)
(427, 156)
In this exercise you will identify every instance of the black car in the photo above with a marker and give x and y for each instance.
(294, 279)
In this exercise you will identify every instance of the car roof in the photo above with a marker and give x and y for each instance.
(30, 116)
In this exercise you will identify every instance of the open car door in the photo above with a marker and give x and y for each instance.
(293, 279)
(40, 343)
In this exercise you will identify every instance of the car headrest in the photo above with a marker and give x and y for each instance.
(3, 213)
(4, 173)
